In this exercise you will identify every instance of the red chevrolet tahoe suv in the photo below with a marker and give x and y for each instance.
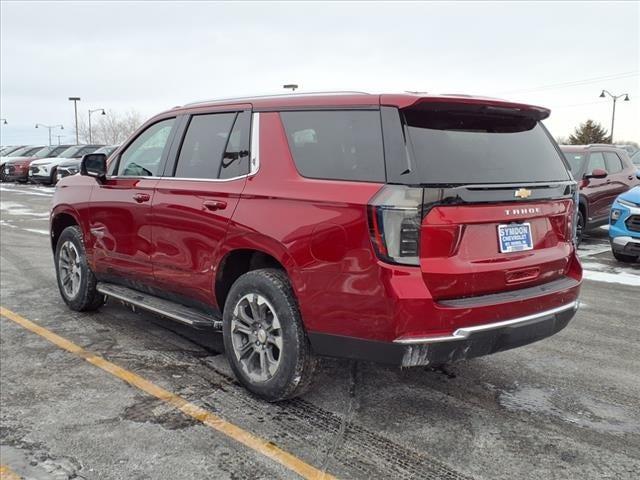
(403, 229)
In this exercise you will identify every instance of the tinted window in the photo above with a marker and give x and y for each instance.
(142, 157)
(636, 158)
(614, 164)
(596, 160)
(343, 145)
(203, 145)
(235, 161)
(471, 144)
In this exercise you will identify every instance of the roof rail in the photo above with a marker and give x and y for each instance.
(277, 95)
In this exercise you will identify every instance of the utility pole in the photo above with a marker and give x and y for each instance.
(49, 127)
(615, 98)
(75, 101)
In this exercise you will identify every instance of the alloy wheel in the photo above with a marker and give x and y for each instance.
(69, 269)
(256, 337)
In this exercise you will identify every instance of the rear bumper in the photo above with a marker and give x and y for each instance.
(463, 343)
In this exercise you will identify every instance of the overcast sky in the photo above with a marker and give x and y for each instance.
(152, 56)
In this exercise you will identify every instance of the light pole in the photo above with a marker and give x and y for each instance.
(90, 112)
(50, 127)
(59, 137)
(615, 98)
(75, 101)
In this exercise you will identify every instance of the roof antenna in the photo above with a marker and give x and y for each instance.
(291, 86)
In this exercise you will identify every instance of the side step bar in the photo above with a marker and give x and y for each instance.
(166, 308)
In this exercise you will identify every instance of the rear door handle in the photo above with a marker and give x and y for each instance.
(142, 197)
(214, 205)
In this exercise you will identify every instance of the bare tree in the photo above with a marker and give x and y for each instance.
(109, 129)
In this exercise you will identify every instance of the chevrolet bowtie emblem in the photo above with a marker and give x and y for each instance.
(522, 193)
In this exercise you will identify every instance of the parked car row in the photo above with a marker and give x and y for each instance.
(40, 164)
(603, 172)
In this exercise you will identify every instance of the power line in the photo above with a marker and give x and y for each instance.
(575, 83)
(579, 104)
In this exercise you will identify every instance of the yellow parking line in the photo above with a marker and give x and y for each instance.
(244, 437)
(7, 474)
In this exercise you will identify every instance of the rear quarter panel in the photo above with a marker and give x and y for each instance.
(317, 229)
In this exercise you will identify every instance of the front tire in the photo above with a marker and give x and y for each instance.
(76, 281)
(264, 338)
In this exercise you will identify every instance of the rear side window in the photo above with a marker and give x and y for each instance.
(614, 164)
(340, 145)
(204, 145)
(463, 144)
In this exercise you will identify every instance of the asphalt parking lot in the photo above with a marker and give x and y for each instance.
(566, 407)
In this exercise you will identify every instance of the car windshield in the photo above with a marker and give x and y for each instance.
(71, 151)
(106, 150)
(20, 152)
(44, 152)
(575, 160)
(636, 158)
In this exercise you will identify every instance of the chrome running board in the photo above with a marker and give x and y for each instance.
(166, 308)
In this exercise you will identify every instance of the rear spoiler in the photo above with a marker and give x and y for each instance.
(452, 102)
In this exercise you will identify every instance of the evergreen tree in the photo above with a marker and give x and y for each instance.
(589, 132)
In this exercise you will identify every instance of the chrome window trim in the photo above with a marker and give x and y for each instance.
(465, 332)
(254, 161)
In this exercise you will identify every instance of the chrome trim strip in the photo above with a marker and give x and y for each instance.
(254, 164)
(466, 332)
(105, 290)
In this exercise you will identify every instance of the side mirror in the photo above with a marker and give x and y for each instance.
(638, 174)
(94, 165)
(597, 173)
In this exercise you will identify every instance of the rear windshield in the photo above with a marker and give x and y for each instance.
(462, 146)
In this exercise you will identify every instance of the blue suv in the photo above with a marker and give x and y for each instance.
(624, 226)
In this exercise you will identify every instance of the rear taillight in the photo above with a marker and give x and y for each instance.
(395, 217)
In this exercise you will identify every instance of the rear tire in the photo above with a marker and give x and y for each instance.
(76, 281)
(621, 257)
(264, 338)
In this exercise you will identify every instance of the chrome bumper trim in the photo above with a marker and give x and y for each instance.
(466, 332)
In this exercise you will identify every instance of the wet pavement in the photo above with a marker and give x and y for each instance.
(566, 407)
